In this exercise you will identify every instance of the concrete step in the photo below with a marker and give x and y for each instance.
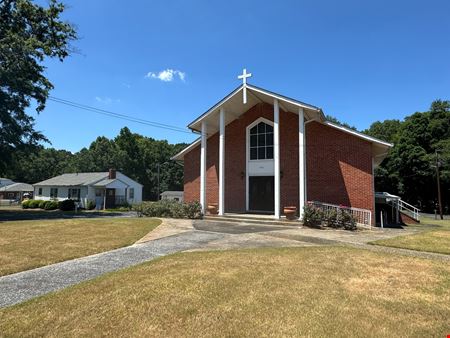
(252, 220)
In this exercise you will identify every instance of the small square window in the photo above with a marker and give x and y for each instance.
(261, 153)
(269, 153)
(261, 128)
(269, 139)
(261, 140)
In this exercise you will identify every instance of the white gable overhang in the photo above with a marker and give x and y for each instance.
(234, 107)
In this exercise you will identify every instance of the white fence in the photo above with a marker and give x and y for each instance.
(362, 216)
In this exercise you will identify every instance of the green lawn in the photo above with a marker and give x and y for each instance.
(316, 292)
(431, 239)
(29, 244)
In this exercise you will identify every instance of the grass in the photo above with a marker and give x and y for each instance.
(431, 239)
(321, 291)
(29, 244)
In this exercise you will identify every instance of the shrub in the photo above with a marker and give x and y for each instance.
(33, 204)
(193, 210)
(66, 205)
(332, 218)
(42, 204)
(25, 204)
(168, 208)
(312, 216)
(51, 205)
(347, 221)
(90, 205)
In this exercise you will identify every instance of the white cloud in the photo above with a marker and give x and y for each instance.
(106, 100)
(167, 75)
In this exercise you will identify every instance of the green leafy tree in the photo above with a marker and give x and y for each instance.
(334, 120)
(29, 34)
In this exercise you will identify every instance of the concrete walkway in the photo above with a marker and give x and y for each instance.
(25, 285)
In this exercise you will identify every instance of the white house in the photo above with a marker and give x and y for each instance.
(172, 195)
(105, 189)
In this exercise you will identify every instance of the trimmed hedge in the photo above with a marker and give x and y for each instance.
(169, 208)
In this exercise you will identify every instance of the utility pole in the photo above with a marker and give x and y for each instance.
(438, 185)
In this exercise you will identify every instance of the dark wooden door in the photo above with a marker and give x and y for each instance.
(110, 198)
(261, 193)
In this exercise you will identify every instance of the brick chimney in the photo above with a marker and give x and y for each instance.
(112, 174)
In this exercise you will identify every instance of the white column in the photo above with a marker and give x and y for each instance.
(301, 161)
(276, 156)
(203, 167)
(222, 162)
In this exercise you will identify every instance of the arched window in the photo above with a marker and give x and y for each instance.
(261, 142)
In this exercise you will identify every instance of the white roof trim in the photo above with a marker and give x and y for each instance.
(358, 134)
(180, 155)
(283, 98)
(217, 105)
(258, 90)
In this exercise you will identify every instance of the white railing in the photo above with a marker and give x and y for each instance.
(362, 216)
(406, 208)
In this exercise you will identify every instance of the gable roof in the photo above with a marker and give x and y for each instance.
(17, 187)
(75, 179)
(234, 105)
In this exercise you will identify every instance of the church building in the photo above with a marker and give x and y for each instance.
(259, 152)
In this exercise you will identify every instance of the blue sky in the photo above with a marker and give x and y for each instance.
(359, 61)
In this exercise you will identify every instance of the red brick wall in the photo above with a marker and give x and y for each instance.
(406, 219)
(339, 165)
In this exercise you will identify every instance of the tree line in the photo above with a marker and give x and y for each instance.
(421, 142)
(134, 155)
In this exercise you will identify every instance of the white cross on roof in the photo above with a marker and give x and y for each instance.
(244, 77)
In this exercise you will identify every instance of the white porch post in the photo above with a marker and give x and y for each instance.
(203, 167)
(276, 156)
(222, 162)
(301, 160)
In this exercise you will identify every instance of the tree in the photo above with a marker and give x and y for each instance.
(29, 34)
(385, 130)
(334, 120)
(408, 169)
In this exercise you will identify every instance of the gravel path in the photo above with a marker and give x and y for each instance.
(25, 285)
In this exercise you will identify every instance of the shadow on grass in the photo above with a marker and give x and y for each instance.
(22, 215)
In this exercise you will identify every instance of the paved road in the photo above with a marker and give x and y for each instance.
(25, 285)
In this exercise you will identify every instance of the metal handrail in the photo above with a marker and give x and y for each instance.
(362, 216)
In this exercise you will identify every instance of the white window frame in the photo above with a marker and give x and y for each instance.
(247, 156)
(248, 145)
(77, 191)
(131, 193)
(52, 195)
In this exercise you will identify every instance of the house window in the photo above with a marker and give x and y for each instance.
(261, 142)
(40, 192)
(74, 194)
(53, 192)
(131, 192)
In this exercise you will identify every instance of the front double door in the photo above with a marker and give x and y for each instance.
(261, 194)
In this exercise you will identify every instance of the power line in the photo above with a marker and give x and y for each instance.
(118, 115)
